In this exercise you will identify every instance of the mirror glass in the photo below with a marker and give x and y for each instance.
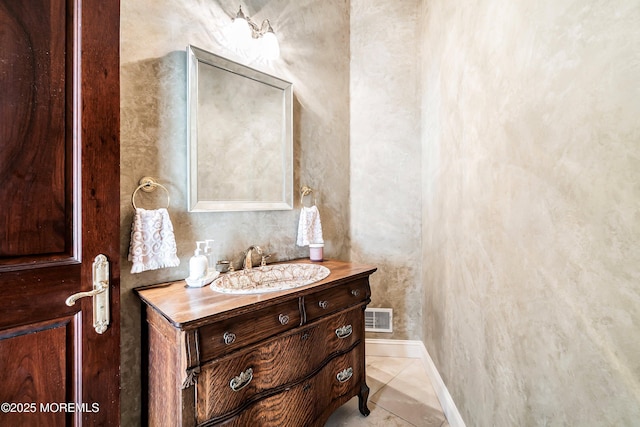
(240, 138)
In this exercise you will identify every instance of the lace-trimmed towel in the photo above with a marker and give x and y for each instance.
(309, 227)
(153, 244)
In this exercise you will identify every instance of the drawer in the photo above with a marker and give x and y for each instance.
(257, 371)
(333, 335)
(222, 337)
(335, 299)
(229, 384)
(338, 382)
(303, 404)
(292, 407)
(343, 374)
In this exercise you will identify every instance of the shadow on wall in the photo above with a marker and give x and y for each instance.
(394, 286)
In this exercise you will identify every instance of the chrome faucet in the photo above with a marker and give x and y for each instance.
(248, 264)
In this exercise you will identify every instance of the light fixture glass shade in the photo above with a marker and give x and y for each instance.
(270, 46)
(240, 31)
(251, 41)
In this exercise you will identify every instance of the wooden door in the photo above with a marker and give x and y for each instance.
(59, 209)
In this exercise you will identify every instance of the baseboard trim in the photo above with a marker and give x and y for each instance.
(417, 350)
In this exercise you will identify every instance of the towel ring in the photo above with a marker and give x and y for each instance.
(305, 191)
(148, 184)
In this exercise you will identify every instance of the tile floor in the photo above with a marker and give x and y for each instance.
(401, 395)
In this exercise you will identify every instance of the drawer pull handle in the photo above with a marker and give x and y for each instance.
(284, 319)
(242, 380)
(304, 336)
(355, 292)
(323, 304)
(344, 331)
(229, 338)
(344, 376)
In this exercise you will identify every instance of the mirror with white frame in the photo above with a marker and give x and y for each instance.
(240, 136)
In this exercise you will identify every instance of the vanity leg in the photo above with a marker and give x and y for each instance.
(362, 399)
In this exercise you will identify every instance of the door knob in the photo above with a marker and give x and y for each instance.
(100, 294)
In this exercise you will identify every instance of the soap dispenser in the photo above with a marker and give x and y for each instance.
(198, 265)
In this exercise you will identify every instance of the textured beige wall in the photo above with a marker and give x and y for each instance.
(531, 209)
(314, 39)
(385, 157)
(513, 125)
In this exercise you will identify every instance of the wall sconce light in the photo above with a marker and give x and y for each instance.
(253, 39)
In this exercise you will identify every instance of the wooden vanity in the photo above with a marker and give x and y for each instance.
(286, 358)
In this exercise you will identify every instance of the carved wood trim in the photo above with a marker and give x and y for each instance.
(303, 312)
(192, 377)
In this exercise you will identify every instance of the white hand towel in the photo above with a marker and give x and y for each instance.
(309, 227)
(153, 244)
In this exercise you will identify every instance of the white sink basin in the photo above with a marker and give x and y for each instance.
(270, 278)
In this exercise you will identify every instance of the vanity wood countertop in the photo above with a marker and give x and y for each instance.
(188, 308)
